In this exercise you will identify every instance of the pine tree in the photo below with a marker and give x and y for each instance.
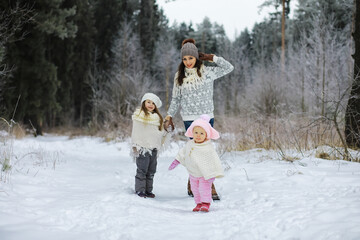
(12, 20)
(205, 37)
(35, 78)
(149, 27)
(331, 10)
(73, 57)
(284, 13)
(266, 40)
(181, 32)
(108, 16)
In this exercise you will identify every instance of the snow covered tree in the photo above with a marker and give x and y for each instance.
(331, 10)
(116, 99)
(168, 59)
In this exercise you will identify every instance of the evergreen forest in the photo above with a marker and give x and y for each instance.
(85, 64)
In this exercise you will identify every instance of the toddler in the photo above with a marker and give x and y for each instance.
(201, 161)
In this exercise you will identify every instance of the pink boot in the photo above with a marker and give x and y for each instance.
(197, 208)
(205, 207)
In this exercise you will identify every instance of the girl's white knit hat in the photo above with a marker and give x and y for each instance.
(153, 98)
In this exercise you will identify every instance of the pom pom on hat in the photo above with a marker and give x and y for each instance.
(153, 98)
(188, 40)
(205, 117)
(203, 122)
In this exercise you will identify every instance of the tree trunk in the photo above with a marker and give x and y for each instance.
(146, 27)
(203, 42)
(283, 38)
(303, 91)
(167, 87)
(352, 115)
(323, 82)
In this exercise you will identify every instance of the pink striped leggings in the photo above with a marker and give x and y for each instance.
(201, 189)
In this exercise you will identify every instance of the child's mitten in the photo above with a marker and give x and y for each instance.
(174, 164)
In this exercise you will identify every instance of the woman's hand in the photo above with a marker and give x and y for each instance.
(206, 57)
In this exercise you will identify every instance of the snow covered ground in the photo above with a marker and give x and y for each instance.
(82, 188)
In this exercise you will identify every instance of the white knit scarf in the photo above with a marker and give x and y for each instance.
(140, 116)
(190, 81)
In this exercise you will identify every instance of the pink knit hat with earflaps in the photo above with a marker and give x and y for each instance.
(203, 122)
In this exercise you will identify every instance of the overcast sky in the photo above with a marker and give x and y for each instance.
(234, 15)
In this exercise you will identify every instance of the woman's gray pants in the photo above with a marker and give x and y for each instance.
(146, 168)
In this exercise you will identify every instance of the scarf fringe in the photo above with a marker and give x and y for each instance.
(165, 145)
(139, 151)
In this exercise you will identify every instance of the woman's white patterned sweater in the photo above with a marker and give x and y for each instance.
(195, 95)
(200, 159)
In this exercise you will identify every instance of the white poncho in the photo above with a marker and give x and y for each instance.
(200, 159)
(146, 135)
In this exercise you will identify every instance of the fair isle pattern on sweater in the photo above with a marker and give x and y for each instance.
(195, 95)
(200, 159)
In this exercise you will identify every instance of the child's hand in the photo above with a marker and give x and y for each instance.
(135, 151)
(174, 164)
(168, 124)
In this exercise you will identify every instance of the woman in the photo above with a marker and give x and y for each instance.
(194, 87)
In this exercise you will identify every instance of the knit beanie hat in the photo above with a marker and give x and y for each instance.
(189, 48)
(203, 122)
(153, 98)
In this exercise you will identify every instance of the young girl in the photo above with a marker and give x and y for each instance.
(147, 137)
(201, 160)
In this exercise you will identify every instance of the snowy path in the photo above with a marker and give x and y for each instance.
(90, 195)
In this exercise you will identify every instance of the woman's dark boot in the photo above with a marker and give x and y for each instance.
(214, 194)
(189, 189)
